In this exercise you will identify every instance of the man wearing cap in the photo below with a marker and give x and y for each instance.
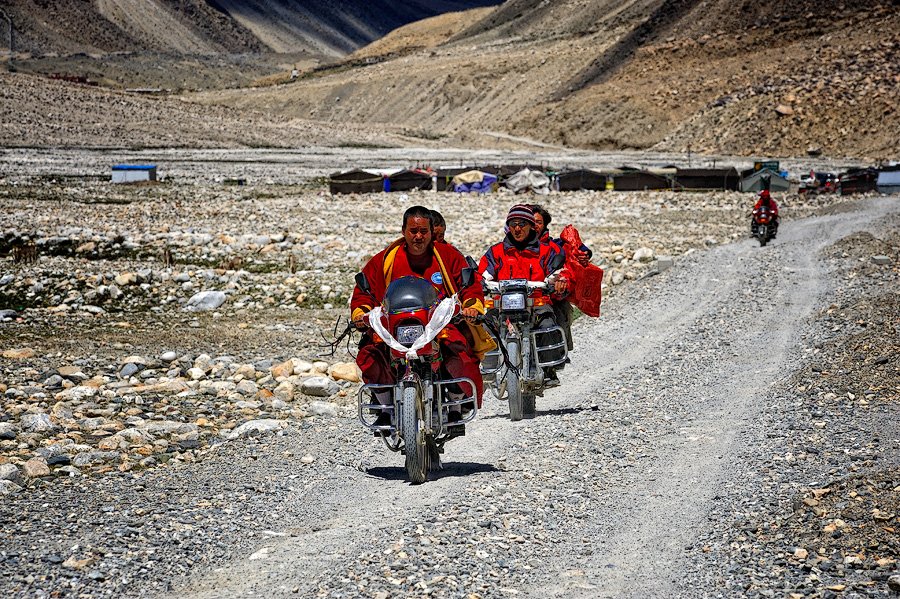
(521, 255)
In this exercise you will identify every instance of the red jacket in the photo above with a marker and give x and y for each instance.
(772, 206)
(503, 261)
(393, 262)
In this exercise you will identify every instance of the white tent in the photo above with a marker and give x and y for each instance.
(528, 180)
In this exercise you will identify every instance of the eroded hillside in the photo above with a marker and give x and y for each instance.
(213, 26)
(752, 78)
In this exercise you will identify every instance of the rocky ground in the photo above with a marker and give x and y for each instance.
(205, 305)
(819, 518)
(128, 398)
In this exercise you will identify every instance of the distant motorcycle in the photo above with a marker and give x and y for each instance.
(515, 371)
(409, 321)
(763, 226)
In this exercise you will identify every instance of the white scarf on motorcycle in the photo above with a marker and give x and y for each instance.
(440, 318)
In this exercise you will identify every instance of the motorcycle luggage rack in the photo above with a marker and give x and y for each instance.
(362, 407)
(492, 362)
(467, 399)
(542, 350)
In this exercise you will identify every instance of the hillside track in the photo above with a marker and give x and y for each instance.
(606, 491)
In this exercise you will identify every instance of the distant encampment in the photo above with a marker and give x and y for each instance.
(542, 179)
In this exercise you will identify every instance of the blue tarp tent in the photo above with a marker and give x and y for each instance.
(477, 181)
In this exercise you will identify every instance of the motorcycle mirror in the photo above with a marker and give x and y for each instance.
(468, 276)
(556, 262)
(363, 283)
(471, 262)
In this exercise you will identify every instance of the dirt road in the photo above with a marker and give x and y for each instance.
(607, 492)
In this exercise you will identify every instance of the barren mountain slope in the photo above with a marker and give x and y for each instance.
(426, 33)
(634, 74)
(101, 26)
(714, 81)
(213, 26)
(332, 28)
(37, 113)
(155, 26)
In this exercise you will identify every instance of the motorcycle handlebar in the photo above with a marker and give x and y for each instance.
(495, 285)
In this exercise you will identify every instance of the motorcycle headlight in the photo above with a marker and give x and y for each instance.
(407, 335)
(512, 301)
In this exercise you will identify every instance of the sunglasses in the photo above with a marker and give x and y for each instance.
(518, 224)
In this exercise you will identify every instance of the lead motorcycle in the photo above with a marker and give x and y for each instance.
(410, 321)
(516, 370)
(762, 226)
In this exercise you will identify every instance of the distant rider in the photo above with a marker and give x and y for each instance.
(765, 201)
(440, 226)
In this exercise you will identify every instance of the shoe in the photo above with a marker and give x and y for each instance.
(455, 430)
(467, 409)
(453, 397)
(550, 379)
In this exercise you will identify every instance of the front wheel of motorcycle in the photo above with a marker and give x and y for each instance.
(513, 389)
(528, 408)
(413, 436)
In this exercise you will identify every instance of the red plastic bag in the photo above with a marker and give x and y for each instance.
(587, 280)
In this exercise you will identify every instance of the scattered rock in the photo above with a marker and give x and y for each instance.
(11, 472)
(36, 467)
(205, 301)
(784, 110)
(323, 408)
(345, 371)
(19, 354)
(257, 427)
(319, 386)
(643, 254)
(7, 431)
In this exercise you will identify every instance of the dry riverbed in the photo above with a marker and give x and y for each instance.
(161, 323)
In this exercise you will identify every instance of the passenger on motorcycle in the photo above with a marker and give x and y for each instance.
(765, 200)
(440, 226)
(416, 254)
(542, 220)
(521, 255)
(562, 309)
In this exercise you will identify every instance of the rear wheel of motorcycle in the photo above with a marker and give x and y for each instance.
(413, 437)
(762, 241)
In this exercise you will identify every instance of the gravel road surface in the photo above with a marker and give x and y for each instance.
(605, 492)
(620, 487)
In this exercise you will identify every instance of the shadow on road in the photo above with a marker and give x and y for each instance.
(450, 470)
(539, 413)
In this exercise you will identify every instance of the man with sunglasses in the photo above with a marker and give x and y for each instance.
(521, 255)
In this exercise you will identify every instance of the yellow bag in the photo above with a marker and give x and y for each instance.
(483, 342)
